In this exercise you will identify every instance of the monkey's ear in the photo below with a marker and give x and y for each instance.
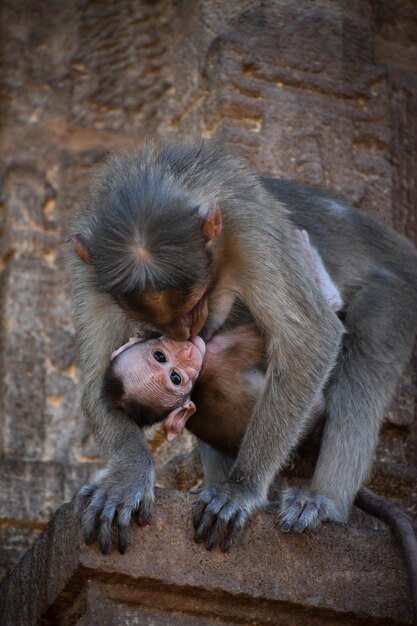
(80, 247)
(175, 421)
(211, 225)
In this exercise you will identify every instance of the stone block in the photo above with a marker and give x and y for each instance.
(165, 578)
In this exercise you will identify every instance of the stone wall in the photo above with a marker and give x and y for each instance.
(324, 92)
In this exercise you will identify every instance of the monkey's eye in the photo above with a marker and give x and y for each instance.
(159, 356)
(175, 378)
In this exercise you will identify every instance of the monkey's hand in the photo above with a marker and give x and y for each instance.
(303, 509)
(221, 511)
(116, 492)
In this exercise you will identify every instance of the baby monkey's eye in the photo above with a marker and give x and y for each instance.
(159, 356)
(175, 378)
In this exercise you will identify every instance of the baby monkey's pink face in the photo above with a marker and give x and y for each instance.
(164, 369)
(160, 373)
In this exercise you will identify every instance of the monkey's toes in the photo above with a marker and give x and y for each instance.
(304, 510)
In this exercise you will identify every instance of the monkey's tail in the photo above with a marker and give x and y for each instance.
(400, 523)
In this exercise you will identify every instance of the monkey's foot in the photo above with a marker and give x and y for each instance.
(220, 513)
(302, 509)
(109, 501)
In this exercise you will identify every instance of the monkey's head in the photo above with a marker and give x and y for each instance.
(152, 381)
(149, 240)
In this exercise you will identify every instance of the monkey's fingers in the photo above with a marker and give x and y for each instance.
(228, 525)
(82, 500)
(97, 520)
(290, 515)
(143, 513)
(142, 519)
(310, 517)
(90, 519)
(217, 522)
(205, 511)
(221, 512)
(205, 529)
(90, 530)
(233, 530)
(105, 527)
(123, 531)
(199, 507)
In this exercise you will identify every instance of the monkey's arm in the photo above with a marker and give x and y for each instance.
(122, 488)
(303, 338)
(125, 485)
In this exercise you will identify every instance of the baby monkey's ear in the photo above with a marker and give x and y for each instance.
(175, 421)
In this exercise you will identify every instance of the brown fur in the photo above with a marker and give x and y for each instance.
(222, 395)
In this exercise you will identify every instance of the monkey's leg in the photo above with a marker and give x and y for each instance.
(216, 466)
(124, 487)
(381, 327)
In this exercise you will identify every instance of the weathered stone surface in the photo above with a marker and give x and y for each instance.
(99, 64)
(297, 109)
(395, 40)
(404, 153)
(177, 466)
(15, 540)
(165, 578)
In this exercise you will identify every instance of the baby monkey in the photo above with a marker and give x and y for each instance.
(152, 380)
(162, 380)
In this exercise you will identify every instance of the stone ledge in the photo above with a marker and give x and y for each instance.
(336, 575)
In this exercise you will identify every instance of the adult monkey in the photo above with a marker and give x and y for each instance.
(164, 242)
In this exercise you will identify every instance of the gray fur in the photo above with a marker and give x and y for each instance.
(257, 257)
(216, 466)
(304, 509)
